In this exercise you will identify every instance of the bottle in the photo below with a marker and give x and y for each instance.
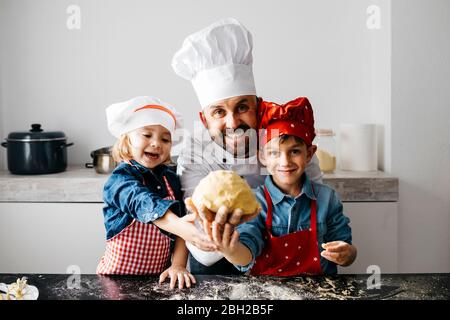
(326, 150)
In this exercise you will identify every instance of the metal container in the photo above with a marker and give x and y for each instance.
(36, 151)
(102, 160)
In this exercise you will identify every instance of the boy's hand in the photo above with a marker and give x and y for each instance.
(176, 272)
(225, 238)
(235, 217)
(339, 252)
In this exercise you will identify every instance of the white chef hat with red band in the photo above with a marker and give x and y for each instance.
(218, 61)
(124, 117)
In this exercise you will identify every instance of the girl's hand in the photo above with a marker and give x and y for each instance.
(191, 234)
(176, 272)
(185, 228)
(222, 216)
(206, 216)
(339, 252)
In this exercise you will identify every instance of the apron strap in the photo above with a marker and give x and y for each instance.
(169, 189)
(313, 216)
(313, 224)
(171, 195)
(269, 209)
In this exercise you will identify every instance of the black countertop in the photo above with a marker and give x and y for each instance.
(342, 287)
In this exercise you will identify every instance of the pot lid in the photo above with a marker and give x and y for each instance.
(101, 151)
(36, 134)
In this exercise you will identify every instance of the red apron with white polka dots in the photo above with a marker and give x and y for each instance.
(292, 254)
(140, 248)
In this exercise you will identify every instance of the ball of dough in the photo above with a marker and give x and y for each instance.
(225, 188)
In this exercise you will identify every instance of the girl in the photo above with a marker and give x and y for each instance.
(143, 199)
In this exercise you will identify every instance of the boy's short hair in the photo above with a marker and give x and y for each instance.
(121, 150)
(283, 138)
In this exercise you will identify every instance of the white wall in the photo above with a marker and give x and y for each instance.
(380, 81)
(421, 131)
(321, 49)
(64, 79)
(2, 118)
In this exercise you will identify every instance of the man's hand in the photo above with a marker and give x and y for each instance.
(339, 252)
(221, 217)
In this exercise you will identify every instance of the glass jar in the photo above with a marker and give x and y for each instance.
(326, 150)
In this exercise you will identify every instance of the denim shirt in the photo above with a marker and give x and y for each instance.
(136, 192)
(291, 214)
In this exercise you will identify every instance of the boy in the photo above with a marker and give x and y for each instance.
(300, 219)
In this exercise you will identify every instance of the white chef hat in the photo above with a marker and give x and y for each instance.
(139, 112)
(218, 61)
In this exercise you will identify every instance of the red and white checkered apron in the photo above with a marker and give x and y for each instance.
(140, 248)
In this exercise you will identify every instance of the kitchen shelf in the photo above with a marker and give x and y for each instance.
(79, 184)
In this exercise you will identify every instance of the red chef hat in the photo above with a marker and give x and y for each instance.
(293, 118)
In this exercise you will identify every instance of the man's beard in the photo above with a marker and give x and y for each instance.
(240, 142)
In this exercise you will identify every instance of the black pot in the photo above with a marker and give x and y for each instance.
(36, 151)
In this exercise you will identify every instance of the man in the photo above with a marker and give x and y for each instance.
(218, 61)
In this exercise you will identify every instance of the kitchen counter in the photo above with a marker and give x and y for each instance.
(78, 184)
(342, 287)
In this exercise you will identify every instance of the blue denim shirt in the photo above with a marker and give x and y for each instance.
(136, 192)
(291, 214)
